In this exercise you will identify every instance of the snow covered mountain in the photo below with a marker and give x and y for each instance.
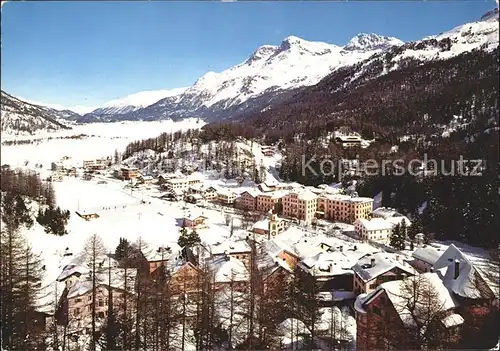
(441, 72)
(18, 116)
(132, 103)
(270, 70)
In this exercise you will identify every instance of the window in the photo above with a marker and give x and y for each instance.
(101, 303)
(100, 314)
(78, 300)
(90, 298)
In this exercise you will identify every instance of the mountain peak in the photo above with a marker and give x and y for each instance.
(290, 41)
(371, 41)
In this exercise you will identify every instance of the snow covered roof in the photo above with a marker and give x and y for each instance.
(118, 278)
(383, 262)
(72, 269)
(307, 195)
(225, 192)
(466, 284)
(330, 264)
(196, 176)
(385, 212)
(252, 192)
(227, 269)
(79, 265)
(179, 259)
(398, 290)
(48, 296)
(230, 246)
(261, 225)
(275, 194)
(291, 235)
(194, 214)
(160, 253)
(452, 320)
(427, 254)
(374, 223)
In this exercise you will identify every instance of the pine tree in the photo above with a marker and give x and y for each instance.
(397, 240)
(121, 249)
(93, 251)
(188, 239)
(20, 277)
(416, 227)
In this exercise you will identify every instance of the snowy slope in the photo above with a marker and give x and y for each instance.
(135, 101)
(479, 35)
(22, 117)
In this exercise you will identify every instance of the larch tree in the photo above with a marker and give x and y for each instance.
(93, 255)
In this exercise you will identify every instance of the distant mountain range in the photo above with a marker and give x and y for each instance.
(273, 75)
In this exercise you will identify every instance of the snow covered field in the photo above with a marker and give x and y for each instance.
(103, 139)
(122, 213)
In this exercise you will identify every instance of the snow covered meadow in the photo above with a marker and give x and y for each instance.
(102, 139)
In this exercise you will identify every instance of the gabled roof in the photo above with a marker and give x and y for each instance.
(227, 269)
(252, 192)
(397, 295)
(374, 223)
(427, 254)
(466, 284)
(118, 279)
(230, 246)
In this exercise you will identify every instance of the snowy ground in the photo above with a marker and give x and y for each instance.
(103, 139)
(122, 213)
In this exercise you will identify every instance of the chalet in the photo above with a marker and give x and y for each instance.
(281, 252)
(275, 272)
(467, 283)
(229, 273)
(87, 164)
(145, 179)
(477, 294)
(160, 256)
(171, 196)
(237, 249)
(195, 221)
(226, 196)
(375, 269)
(384, 320)
(184, 183)
(194, 198)
(182, 272)
(79, 297)
(210, 193)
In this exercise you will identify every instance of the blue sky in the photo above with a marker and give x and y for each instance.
(87, 53)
